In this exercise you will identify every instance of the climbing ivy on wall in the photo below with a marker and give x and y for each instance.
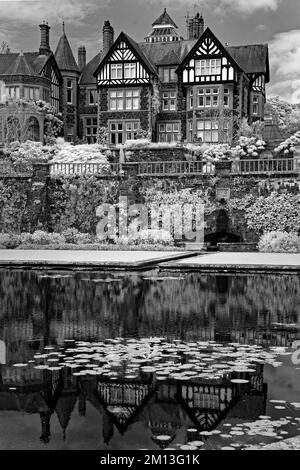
(13, 198)
(73, 201)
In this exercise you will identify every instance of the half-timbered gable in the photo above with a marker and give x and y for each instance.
(208, 62)
(52, 73)
(124, 65)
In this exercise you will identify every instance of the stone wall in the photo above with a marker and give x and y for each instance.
(39, 201)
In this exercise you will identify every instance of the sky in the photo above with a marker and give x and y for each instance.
(276, 22)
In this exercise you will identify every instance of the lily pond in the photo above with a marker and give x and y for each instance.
(148, 360)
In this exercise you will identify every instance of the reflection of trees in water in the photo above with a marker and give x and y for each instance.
(199, 306)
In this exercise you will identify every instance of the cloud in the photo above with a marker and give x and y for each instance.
(53, 11)
(245, 7)
(284, 61)
(249, 6)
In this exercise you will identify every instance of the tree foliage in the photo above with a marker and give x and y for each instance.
(277, 212)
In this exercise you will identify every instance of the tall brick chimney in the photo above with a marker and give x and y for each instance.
(81, 57)
(45, 39)
(195, 27)
(108, 36)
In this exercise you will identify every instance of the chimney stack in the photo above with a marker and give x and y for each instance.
(195, 27)
(81, 57)
(108, 36)
(45, 39)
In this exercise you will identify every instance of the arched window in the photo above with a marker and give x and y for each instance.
(12, 129)
(33, 129)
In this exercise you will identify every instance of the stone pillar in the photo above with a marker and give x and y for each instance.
(126, 186)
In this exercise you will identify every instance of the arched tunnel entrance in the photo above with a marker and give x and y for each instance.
(222, 233)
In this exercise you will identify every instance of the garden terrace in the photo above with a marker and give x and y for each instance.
(275, 166)
(251, 167)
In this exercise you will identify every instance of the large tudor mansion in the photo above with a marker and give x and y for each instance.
(168, 86)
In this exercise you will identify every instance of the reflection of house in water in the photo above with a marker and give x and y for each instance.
(170, 406)
(123, 401)
(163, 407)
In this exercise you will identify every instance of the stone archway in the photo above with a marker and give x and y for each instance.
(12, 129)
(33, 129)
(221, 232)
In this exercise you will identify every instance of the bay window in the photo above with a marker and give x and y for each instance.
(120, 100)
(207, 130)
(31, 93)
(13, 92)
(208, 97)
(168, 131)
(226, 97)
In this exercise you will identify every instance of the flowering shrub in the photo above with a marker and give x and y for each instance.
(250, 147)
(277, 212)
(279, 242)
(72, 235)
(27, 152)
(155, 237)
(39, 237)
(8, 240)
(145, 237)
(288, 146)
(85, 153)
(53, 120)
(216, 153)
(146, 143)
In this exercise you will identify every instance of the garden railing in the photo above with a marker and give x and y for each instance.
(104, 169)
(274, 166)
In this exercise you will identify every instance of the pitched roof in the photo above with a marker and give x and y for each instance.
(87, 76)
(64, 55)
(164, 18)
(208, 34)
(141, 54)
(20, 66)
(35, 61)
(166, 53)
(252, 58)
(135, 46)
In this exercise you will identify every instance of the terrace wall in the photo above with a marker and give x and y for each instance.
(39, 200)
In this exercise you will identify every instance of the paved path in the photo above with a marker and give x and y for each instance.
(239, 261)
(94, 259)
